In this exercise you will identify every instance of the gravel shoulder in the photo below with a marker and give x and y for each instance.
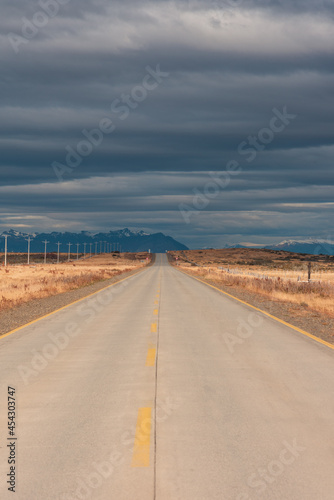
(30, 311)
(317, 324)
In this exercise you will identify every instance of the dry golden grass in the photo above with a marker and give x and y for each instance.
(260, 259)
(22, 283)
(273, 275)
(316, 296)
(300, 273)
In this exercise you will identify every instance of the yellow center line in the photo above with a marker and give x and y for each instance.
(151, 354)
(141, 449)
(156, 302)
(155, 311)
(153, 328)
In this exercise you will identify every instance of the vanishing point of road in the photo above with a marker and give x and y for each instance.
(161, 387)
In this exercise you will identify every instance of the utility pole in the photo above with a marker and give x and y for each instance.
(78, 244)
(84, 249)
(100, 246)
(95, 247)
(28, 240)
(90, 248)
(45, 243)
(105, 244)
(5, 236)
(69, 250)
(58, 243)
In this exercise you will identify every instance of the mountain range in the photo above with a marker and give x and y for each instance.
(309, 246)
(128, 240)
(123, 239)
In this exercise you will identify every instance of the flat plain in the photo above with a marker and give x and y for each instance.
(21, 283)
(275, 281)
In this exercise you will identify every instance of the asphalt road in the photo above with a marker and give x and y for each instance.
(163, 388)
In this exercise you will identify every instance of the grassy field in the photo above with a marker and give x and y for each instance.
(279, 276)
(21, 283)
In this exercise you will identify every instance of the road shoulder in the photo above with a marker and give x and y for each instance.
(314, 323)
(19, 316)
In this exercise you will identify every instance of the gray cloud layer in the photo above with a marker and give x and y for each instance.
(229, 64)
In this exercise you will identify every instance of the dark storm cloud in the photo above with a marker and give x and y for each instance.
(230, 63)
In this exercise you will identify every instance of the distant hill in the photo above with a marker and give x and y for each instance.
(123, 239)
(227, 245)
(234, 246)
(312, 247)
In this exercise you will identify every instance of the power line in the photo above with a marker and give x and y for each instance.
(28, 240)
(45, 242)
(5, 236)
(58, 243)
(69, 250)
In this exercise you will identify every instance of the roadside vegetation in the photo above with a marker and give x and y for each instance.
(21, 283)
(277, 276)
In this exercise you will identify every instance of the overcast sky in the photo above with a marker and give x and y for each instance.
(211, 120)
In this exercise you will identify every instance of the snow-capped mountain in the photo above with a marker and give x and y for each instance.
(122, 239)
(309, 246)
